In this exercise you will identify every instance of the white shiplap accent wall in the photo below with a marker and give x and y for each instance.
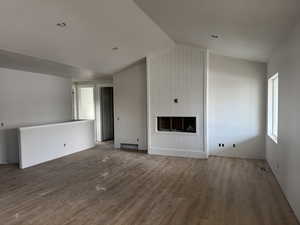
(177, 73)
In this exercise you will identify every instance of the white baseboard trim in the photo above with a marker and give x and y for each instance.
(188, 153)
(238, 156)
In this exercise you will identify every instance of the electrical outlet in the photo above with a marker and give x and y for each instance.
(234, 145)
(65, 145)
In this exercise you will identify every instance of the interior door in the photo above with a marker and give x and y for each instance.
(107, 113)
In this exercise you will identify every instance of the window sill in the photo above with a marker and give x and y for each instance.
(273, 138)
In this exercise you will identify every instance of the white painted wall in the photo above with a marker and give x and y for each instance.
(29, 98)
(40, 144)
(236, 107)
(177, 73)
(130, 106)
(284, 157)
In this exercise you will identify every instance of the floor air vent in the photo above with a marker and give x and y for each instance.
(126, 146)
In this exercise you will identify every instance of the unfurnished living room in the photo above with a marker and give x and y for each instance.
(150, 112)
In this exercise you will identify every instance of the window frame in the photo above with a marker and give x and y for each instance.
(273, 103)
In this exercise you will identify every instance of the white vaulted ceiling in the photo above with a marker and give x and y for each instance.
(93, 28)
(248, 29)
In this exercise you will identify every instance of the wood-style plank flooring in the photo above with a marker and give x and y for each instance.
(105, 186)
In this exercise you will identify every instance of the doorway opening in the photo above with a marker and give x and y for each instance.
(107, 113)
(95, 102)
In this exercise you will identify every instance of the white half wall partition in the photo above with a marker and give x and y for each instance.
(43, 143)
(176, 84)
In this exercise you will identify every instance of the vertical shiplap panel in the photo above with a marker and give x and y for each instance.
(177, 73)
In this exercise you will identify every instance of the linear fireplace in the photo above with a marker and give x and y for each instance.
(176, 124)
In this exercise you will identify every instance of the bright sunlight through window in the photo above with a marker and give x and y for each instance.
(86, 104)
(273, 107)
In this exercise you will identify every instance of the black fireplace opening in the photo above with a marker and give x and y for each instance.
(176, 124)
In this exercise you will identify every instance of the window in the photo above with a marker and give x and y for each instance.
(273, 107)
(86, 104)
